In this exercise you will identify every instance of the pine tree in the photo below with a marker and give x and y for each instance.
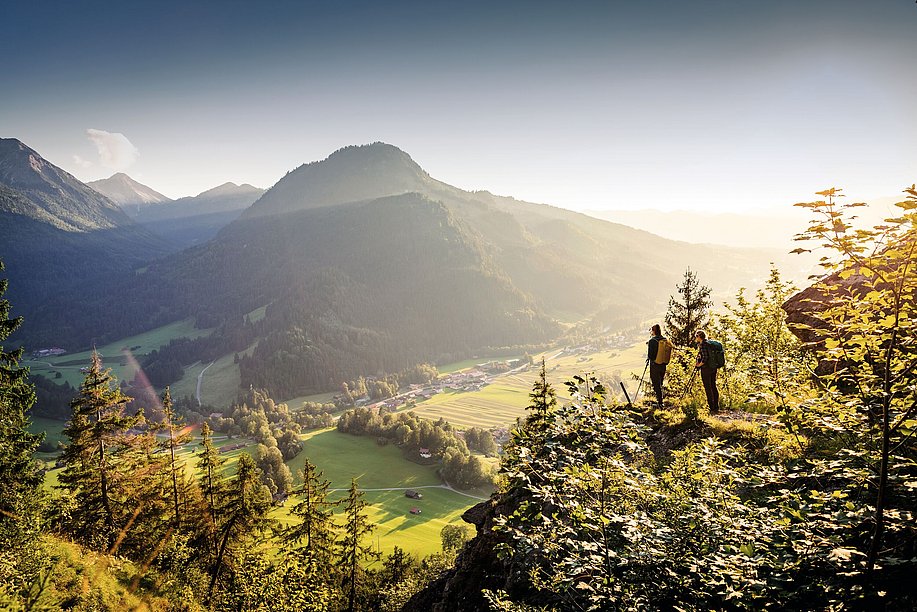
(97, 430)
(351, 550)
(683, 318)
(21, 499)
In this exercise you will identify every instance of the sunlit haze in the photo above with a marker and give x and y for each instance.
(713, 106)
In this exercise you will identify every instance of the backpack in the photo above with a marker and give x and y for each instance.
(717, 355)
(663, 352)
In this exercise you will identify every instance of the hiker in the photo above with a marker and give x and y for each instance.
(658, 354)
(707, 366)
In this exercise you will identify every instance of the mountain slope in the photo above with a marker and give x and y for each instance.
(195, 220)
(128, 193)
(54, 196)
(369, 265)
(58, 236)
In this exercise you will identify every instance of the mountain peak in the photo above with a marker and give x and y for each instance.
(54, 196)
(351, 174)
(126, 192)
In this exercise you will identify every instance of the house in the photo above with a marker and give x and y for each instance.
(425, 453)
(415, 510)
(279, 498)
(216, 415)
(413, 494)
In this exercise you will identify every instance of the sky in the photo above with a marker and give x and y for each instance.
(707, 106)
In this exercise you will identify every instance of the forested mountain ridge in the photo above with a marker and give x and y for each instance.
(59, 236)
(367, 265)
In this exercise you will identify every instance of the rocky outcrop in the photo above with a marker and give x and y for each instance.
(477, 566)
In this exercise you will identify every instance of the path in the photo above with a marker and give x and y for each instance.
(200, 378)
(405, 488)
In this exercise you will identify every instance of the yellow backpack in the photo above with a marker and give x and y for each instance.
(663, 352)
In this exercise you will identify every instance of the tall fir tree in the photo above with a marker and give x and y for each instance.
(689, 313)
(352, 552)
(20, 480)
(97, 429)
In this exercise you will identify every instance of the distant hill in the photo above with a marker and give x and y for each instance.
(194, 220)
(58, 236)
(369, 265)
(128, 193)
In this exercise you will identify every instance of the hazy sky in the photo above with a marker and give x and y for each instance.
(700, 105)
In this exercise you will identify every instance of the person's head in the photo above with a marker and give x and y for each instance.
(656, 330)
(700, 336)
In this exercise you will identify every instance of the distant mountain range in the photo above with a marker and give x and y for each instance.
(57, 235)
(367, 264)
(182, 222)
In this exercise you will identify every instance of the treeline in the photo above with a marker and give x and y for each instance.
(459, 467)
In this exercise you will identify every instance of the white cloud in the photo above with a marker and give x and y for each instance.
(116, 152)
(81, 163)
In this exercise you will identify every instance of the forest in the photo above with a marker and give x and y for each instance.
(800, 493)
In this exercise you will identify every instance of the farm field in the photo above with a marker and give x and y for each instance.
(112, 354)
(505, 399)
(220, 384)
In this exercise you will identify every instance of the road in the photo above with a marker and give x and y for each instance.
(200, 378)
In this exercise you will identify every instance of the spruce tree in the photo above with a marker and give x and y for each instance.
(352, 552)
(689, 313)
(97, 430)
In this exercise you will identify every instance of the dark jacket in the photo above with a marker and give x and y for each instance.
(652, 347)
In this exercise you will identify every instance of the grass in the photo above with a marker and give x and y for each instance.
(342, 456)
(123, 364)
(220, 384)
(501, 402)
(320, 398)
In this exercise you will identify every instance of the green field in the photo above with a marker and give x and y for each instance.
(342, 456)
(500, 403)
(122, 364)
(219, 385)
(320, 398)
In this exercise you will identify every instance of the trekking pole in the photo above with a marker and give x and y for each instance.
(688, 386)
(623, 388)
(640, 386)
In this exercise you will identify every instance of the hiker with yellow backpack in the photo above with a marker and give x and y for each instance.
(658, 355)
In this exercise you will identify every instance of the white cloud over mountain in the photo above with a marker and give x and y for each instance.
(116, 152)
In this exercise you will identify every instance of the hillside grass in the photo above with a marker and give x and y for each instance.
(84, 580)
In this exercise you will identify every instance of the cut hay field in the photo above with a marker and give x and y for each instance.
(505, 399)
(113, 355)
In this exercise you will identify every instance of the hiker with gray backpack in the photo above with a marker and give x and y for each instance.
(710, 358)
(658, 355)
